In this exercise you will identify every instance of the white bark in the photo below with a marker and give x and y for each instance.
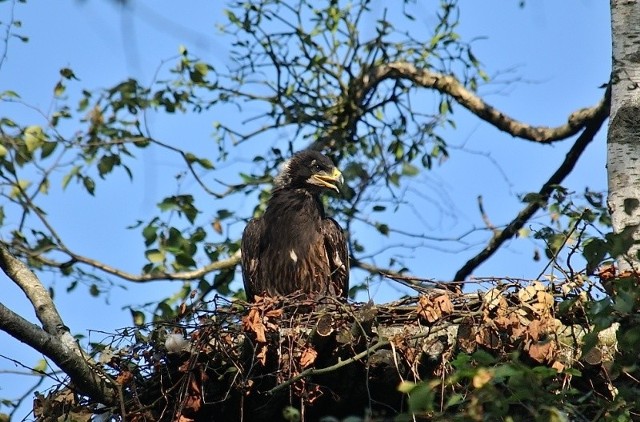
(623, 146)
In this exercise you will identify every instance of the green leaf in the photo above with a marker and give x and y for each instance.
(40, 367)
(150, 234)
(409, 170)
(138, 317)
(205, 163)
(19, 188)
(59, 89)
(67, 73)
(406, 386)
(9, 94)
(382, 228)
(483, 358)
(33, 137)
(594, 251)
(106, 164)
(232, 17)
(89, 184)
(47, 149)
(154, 255)
(184, 261)
(67, 177)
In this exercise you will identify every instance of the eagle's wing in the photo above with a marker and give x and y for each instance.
(338, 253)
(250, 247)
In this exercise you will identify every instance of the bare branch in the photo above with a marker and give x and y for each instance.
(447, 84)
(230, 262)
(591, 129)
(39, 297)
(221, 264)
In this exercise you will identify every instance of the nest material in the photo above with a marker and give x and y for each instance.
(237, 361)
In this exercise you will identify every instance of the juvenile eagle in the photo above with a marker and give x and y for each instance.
(294, 246)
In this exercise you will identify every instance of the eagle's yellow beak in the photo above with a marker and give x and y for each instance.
(328, 180)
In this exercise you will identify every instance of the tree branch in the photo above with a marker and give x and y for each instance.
(54, 341)
(447, 84)
(591, 129)
(39, 297)
(144, 278)
(83, 375)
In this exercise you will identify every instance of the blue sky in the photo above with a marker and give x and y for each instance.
(556, 55)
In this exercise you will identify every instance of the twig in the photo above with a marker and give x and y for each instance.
(485, 217)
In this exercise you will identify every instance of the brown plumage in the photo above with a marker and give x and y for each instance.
(294, 246)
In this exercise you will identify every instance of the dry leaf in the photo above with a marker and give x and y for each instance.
(427, 310)
(192, 402)
(542, 351)
(526, 294)
(443, 302)
(546, 299)
(558, 366)
(492, 298)
(124, 378)
(217, 226)
(274, 313)
(494, 304)
(262, 355)
(487, 338)
(308, 357)
(253, 322)
(466, 337)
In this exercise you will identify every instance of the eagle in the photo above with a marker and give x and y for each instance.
(294, 246)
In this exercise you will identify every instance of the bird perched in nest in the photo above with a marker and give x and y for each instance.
(294, 246)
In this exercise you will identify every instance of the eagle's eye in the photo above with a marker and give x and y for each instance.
(316, 167)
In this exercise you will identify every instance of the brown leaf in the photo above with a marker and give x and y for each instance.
(262, 355)
(194, 386)
(217, 226)
(124, 378)
(558, 366)
(542, 351)
(534, 330)
(274, 313)
(193, 402)
(253, 322)
(308, 357)
(466, 337)
(443, 302)
(494, 304)
(488, 338)
(607, 272)
(427, 310)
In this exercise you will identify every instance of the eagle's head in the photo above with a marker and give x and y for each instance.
(309, 170)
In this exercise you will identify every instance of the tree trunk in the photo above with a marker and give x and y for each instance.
(623, 146)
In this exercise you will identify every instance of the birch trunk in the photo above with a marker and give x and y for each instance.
(623, 144)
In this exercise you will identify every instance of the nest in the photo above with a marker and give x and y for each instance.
(225, 360)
